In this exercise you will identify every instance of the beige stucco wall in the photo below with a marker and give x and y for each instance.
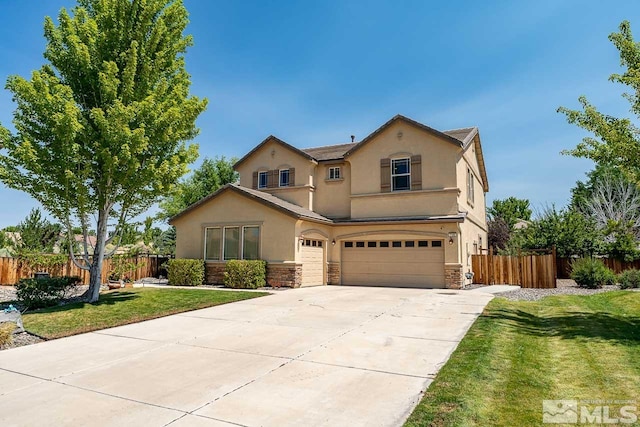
(405, 203)
(332, 197)
(438, 158)
(477, 209)
(277, 231)
(271, 156)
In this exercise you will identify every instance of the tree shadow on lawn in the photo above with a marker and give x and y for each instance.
(574, 325)
(110, 298)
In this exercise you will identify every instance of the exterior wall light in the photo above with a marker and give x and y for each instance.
(333, 242)
(452, 235)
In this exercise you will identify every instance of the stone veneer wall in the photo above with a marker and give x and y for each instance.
(214, 273)
(453, 276)
(279, 275)
(333, 273)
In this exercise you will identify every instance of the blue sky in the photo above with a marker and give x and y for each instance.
(313, 73)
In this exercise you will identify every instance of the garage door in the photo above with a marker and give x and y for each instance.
(312, 262)
(406, 263)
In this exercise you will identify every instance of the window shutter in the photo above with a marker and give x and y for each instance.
(255, 180)
(272, 179)
(292, 177)
(416, 172)
(385, 175)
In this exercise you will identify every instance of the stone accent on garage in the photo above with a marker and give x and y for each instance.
(453, 276)
(214, 273)
(333, 273)
(284, 274)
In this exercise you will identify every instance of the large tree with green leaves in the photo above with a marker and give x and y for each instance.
(101, 130)
(511, 210)
(615, 141)
(209, 177)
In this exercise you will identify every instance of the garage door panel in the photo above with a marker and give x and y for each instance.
(411, 266)
(312, 265)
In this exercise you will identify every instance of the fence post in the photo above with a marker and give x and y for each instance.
(555, 266)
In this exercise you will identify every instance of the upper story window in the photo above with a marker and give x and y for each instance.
(263, 179)
(400, 174)
(334, 173)
(284, 177)
(470, 186)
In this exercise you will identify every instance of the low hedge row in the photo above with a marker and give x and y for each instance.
(245, 274)
(185, 272)
(45, 291)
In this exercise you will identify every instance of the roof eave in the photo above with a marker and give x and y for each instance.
(279, 141)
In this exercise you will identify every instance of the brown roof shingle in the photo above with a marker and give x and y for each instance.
(328, 152)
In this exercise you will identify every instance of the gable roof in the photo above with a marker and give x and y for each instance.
(260, 197)
(400, 117)
(272, 138)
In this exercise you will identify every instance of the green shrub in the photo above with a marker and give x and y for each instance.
(629, 279)
(591, 273)
(44, 292)
(6, 333)
(245, 274)
(185, 272)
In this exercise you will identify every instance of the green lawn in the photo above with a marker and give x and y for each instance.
(518, 353)
(124, 306)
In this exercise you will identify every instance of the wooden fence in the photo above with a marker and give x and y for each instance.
(527, 271)
(12, 269)
(564, 266)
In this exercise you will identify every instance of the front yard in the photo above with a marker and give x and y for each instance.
(519, 353)
(122, 307)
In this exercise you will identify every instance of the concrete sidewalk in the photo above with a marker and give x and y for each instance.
(315, 356)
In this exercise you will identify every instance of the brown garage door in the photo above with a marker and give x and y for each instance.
(312, 262)
(405, 263)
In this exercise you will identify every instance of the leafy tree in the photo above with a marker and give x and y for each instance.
(615, 141)
(102, 128)
(511, 210)
(209, 177)
(37, 233)
(584, 190)
(165, 243)
(150, 233)
(498, 233)
(570, 231)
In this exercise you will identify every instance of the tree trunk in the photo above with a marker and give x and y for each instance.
(95, 273)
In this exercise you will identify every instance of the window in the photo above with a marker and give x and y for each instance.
(436, 244)
(348, 244)
(409, 244)
(263, 179)
(470, 185)
(384, 244)
(212, 243)
(371, 244)
(334, 173)
(400, 174)
(423, 243)
(284, 177)
(231, 243)
(250, 242)
(359, 244)
(397, 244)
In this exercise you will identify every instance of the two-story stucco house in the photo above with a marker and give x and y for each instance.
(405, 206)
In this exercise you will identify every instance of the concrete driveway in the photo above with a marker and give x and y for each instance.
(315, 356)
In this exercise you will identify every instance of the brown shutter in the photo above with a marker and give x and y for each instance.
(272, 179)
(385, 175)
(292, 177)
(416, 172)
(255, 180)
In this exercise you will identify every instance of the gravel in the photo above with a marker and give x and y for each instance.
(563, 287)
(22, 339)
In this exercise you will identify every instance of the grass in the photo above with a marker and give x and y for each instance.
(519, 353)
(122, 307)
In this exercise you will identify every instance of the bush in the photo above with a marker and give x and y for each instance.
(591, 273)
(6, 333)
(244, 274)
(629, 279)
(44, 292)
(185, 272)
